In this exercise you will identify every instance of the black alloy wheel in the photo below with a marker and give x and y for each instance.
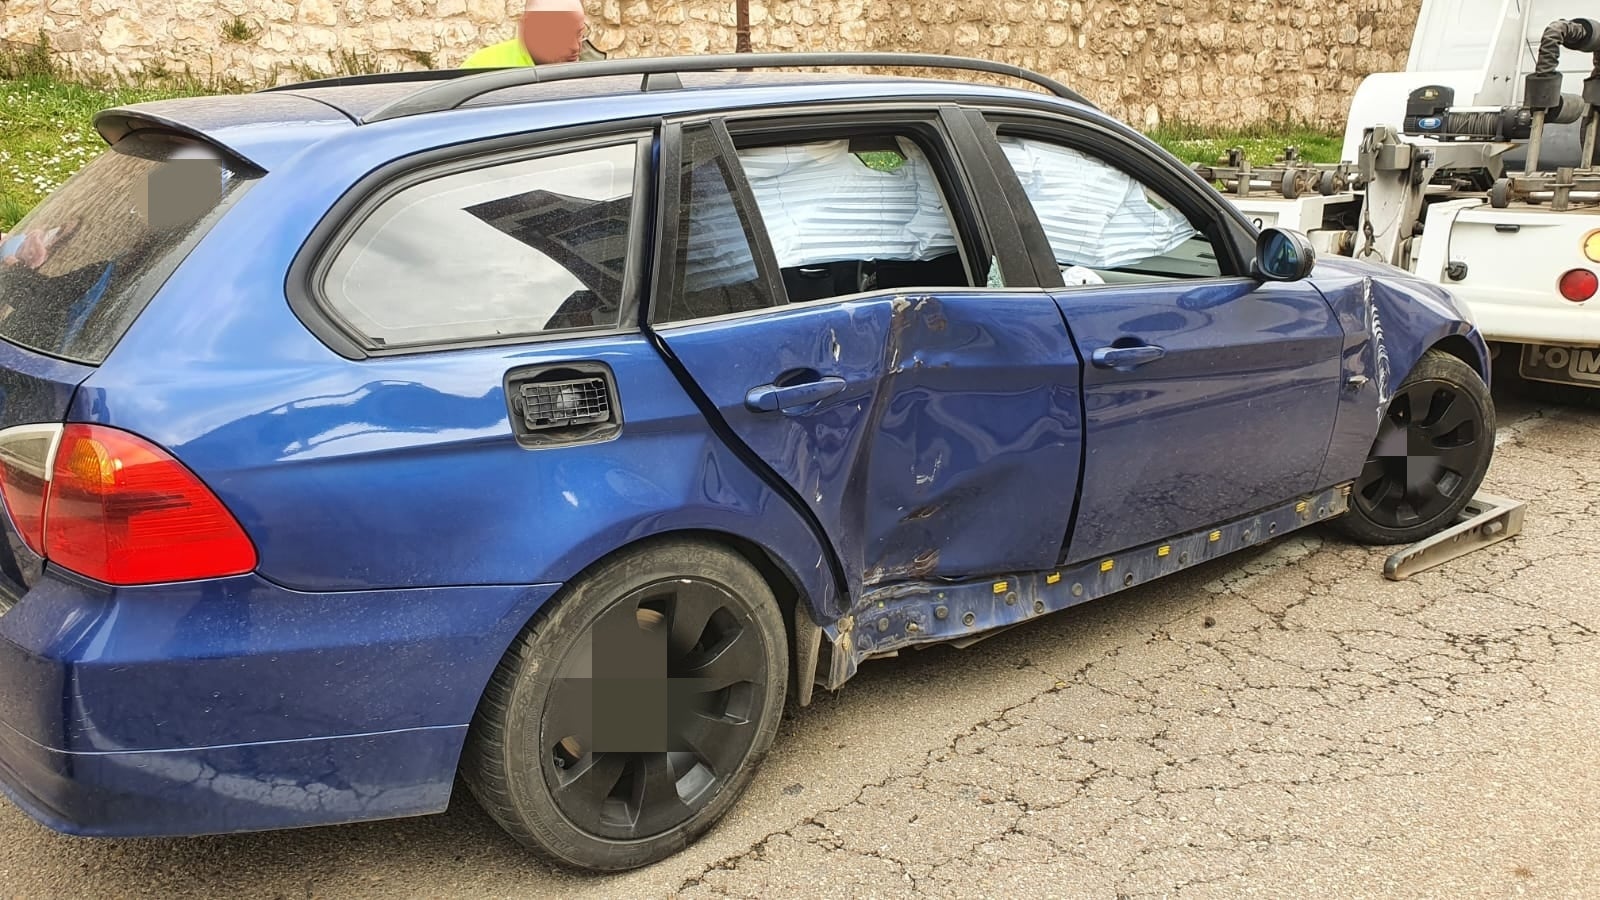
(1433, 447)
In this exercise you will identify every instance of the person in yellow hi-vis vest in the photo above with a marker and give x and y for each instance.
(550, 31)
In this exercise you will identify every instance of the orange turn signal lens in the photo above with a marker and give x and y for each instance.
(1591, 246)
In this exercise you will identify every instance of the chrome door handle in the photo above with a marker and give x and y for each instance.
(1127, 357)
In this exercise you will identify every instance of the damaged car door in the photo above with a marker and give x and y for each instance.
(1209, 393)
(832, 289)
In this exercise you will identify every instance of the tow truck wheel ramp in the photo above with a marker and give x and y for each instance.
(1486, 520)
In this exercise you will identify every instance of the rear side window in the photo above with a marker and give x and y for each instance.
(513, 249)
(78, 270)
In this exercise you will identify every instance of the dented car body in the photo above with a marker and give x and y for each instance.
(441, 368)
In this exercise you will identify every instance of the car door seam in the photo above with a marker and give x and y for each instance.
(736, 445)
(1083, 433)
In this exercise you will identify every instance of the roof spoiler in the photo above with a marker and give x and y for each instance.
(118, 122)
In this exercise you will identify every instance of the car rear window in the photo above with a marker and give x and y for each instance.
(79, 268)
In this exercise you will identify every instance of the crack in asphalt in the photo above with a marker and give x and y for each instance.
(1308, 674)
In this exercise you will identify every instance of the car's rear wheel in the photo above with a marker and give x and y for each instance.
(627, 719)
(1433, 448)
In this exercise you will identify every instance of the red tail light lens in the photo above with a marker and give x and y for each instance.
(1579, 285)
(120, 510)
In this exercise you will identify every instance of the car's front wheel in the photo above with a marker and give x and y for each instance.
(627, 719)
(1432, 450)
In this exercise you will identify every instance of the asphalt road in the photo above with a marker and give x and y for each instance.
(1283, 723)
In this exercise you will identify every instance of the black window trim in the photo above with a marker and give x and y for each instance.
(749, 210)
(1173, 183)
(977, 219)
(666, 186)
(995, 192)
(303, 285)
(668, 215)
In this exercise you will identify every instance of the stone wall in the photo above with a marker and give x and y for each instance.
(1206, 62)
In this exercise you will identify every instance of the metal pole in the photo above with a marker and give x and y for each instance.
(742, 28)
(1537, 138)
(1590, 124)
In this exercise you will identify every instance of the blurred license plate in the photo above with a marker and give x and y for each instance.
(1561, 365)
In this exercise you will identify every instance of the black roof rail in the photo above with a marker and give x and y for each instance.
(376, 78)
(457, 91)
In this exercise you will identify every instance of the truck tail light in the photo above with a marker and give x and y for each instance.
(112, 506)
(1579, 285)
(1591, 246)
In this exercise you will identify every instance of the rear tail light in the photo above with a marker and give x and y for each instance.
(112, 506)
(1579, 285)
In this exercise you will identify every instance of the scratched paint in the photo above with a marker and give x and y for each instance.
(985, 429)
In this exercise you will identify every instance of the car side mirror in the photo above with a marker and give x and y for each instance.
(1284, 255)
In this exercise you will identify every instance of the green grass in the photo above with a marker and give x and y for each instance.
(239, 31)
(1261, 144)
(46, 113)
(882, 160)
(46, 133)
(46, 130)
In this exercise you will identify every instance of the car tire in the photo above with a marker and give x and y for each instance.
(712, 616)
(1403, 495)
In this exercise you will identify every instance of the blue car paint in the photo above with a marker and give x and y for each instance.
(1390, 318)
(314, 154)
(245, 787)
(242, 660)
(35, 387)
(1212, 429)
(403, 471)
(909, 614)
(336, 683)
(280, 418)
(127, 711)
(953, 448)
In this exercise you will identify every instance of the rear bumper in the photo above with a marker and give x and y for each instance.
(237, 705)
(1505, 316)
(249, 787)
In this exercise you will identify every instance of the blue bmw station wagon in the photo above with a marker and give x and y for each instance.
(557, 427)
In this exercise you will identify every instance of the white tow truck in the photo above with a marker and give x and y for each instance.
(1475, 169)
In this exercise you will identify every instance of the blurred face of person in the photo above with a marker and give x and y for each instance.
(553, 30)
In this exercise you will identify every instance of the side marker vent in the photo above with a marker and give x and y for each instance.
(568, 403)
(548, 405)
